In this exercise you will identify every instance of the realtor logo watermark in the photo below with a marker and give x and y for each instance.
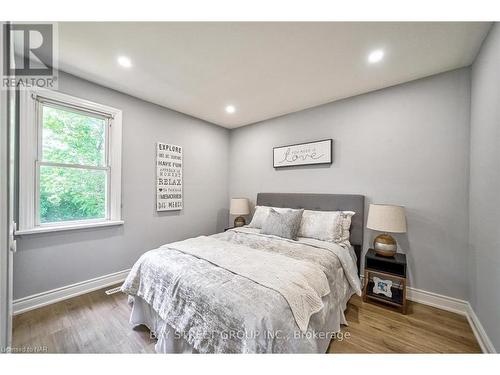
(30, 55)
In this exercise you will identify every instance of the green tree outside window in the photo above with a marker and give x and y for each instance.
(72, 191)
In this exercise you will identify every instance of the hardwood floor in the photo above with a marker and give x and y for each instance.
(424, 329)
(90, 323)
(97, 323)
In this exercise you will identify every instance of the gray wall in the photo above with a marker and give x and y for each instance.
(406, 145)
(485, 186)
(47, 261)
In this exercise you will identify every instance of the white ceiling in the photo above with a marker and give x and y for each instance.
(263, 69)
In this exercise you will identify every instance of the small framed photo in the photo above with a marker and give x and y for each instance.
(382, 286)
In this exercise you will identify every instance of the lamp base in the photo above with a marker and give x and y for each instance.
(239, 221)
(385, 245)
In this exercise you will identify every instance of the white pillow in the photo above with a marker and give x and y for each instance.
(320, 225)
(345, 223)
(261, 213)
(259, 217)
(331, 226)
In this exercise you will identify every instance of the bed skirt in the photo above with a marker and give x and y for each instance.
(168, 341)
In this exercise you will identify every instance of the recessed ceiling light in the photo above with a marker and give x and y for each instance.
(230, 109)
(375, 56)
(124, 61)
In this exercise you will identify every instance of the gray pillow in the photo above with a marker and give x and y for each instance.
(283, 224)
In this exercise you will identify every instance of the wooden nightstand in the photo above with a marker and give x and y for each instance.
(387, 271)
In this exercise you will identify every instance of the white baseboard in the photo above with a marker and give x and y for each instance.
(439, 301)
(35, 301)
(478, 329)
(457, 306)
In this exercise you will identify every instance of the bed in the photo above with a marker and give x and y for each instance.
(242, 291)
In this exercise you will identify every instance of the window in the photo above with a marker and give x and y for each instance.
(70, 163)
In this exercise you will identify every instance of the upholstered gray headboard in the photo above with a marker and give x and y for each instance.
(324, 202)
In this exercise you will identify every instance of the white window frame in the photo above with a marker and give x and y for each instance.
(31, 101)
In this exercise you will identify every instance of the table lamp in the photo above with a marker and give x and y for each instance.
(239, 206)
(386, 218)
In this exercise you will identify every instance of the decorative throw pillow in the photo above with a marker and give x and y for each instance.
(284, 224)
(260, 215)
(320, 225)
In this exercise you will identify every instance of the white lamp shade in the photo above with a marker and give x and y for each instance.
(239, 206)
(386, 218)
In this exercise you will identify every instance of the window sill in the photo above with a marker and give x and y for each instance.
(61, 228)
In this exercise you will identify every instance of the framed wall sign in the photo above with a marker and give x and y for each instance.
(168, 177)
(318, 152)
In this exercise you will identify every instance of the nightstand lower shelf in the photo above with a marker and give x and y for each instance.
(390, 276)
(396, 299)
